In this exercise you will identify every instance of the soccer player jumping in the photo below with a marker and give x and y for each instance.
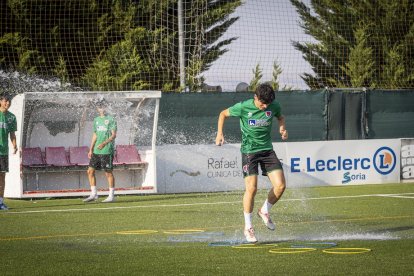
(256, 117)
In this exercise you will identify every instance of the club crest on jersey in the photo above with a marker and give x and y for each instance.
(268, 114)
(106, 122)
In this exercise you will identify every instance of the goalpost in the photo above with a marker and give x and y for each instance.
(54, 134)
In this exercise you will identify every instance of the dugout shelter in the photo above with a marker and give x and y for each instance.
(54, 132)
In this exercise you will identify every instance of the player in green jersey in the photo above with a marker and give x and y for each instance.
(101, 151)
(8, 126)
(256, 117)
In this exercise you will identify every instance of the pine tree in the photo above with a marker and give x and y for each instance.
(208, 20)
(360, 67)
(91, 43)
(277, 70)
(346, 55)
(257, 76)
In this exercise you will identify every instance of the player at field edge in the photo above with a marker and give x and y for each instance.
(8, 126)
(256, 117)
(101, 151)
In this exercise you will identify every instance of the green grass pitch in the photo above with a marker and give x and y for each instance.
(347, 230)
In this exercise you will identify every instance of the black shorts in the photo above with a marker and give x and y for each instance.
(267, 159)
(4, 163)
(102, 162)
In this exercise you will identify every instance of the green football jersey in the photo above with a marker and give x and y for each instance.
(103, 127)
(7, 124)
(255, 124)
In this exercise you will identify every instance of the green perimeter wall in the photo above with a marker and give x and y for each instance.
(191, 118)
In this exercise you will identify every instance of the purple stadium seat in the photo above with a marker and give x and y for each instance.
(56, 156)
(127, 154)
(32, 157)
(79, 156)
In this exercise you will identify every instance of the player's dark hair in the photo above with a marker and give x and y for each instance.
(5, 96)
(101, 103)
(265, 93)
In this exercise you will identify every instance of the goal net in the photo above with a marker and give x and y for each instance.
(205, 45)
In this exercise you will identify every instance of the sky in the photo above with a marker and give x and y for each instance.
(265, 31)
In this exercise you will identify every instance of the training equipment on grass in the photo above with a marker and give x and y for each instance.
(254, 246)
(54, 133)
(184, 231)
(290, 250)
(344, 251)
(318, 245)
(222, 243)
(137, 232)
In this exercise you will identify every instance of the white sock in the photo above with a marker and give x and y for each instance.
(93, 190)
(111, 192)
(247, 220)
(266, 207)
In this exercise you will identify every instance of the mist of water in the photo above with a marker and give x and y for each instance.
(14, 82)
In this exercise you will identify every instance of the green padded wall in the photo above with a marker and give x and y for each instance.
(390, 114)
(191, 118)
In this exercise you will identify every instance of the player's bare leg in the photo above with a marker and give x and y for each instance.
(111, 184)
(2, 186)
(277, 178)
(92, 182)
(248, 204)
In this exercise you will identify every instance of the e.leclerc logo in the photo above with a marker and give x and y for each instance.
(383, 161)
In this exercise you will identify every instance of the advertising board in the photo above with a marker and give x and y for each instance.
(210, 168)
(407, 160)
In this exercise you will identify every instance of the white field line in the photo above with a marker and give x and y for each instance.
(399, 196)
(201, 204)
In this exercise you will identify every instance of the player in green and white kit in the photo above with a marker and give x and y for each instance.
(101, 151)
(256, 117)
(8, 126)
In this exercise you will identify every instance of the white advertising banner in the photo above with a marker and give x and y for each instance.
(210, 168)
(203, 168)
(407, 160)
(343, 162)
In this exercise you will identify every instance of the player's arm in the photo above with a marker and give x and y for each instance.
(282, 127)
(92, 145)
(222, 117)
(109, 140)
(13, 141)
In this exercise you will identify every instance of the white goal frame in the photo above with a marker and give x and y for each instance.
(50, 181)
